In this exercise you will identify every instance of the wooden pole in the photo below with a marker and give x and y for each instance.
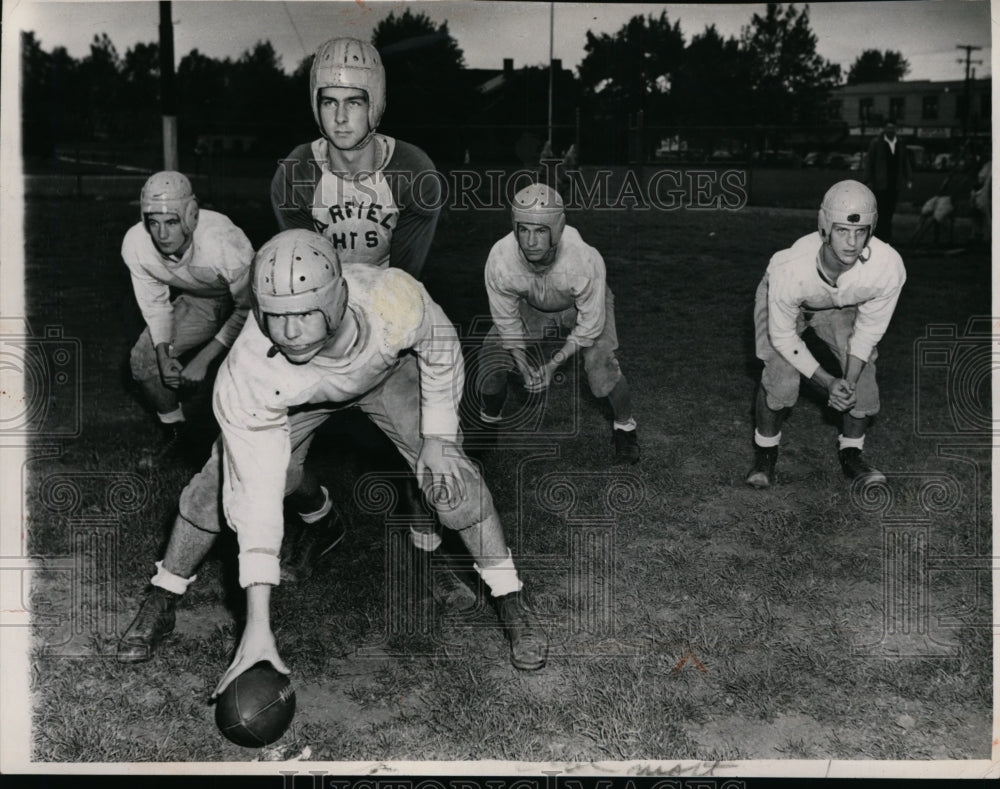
(168, 88)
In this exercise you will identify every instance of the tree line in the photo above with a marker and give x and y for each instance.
(645, 73)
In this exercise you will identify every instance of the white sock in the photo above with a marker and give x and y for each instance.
(322, 512)
(765, 442)
(501, 578)
(850, 443)
(628, 426)
(167, 580)
(425, 540)
(172, 417)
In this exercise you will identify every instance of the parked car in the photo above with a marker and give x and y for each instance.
(837, 160)
(856, 161)
(918, 156)
(944, 161)
(777, 158)
(812, 159)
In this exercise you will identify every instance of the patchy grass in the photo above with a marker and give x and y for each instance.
(690, 617)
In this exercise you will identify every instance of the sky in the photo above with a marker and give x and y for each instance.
(927, 32)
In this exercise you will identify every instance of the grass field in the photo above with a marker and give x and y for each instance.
(690, 616)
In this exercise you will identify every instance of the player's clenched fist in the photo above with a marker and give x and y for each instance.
(170, 368)
(842, 395)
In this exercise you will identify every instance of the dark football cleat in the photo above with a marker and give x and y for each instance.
(856, 467)
(529, 645)
(154, 621)
(762, 473)
(305, 544)
(449, 590)
(173, 438)
(626, 444)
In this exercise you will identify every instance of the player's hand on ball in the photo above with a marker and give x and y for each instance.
(256, 645)
(441, 469)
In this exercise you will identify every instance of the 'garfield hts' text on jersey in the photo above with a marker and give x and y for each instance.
(375, 217)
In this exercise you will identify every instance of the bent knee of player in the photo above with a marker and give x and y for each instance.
(868, 402)
(780, 391)
(142, 360)
(603, 373)
(200, 501)
(474, 504)
(199, 504)
(492, 367)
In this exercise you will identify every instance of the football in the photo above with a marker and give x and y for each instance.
(256, 708)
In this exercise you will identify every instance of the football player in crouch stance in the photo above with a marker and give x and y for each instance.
(543, 275)
(324, 339)
(377, 199)
(844, 284)
(203, 258)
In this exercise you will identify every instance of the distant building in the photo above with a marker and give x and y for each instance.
(932, 113)
(509, 116)
(225, 143)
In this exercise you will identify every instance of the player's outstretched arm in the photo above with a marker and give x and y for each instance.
(258, 642)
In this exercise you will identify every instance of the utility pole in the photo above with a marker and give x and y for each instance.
(168, 87)
(969, 49)
(552, 13)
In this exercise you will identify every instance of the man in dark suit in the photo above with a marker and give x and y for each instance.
(887, 170)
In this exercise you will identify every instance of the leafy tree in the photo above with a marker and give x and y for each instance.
(38, 112)
(875, 66)
(140, 70)
(425, 81)
(712, 85)
(102, 83)
(201, 85)
(257, 80)
(633, 69)
(789, 80)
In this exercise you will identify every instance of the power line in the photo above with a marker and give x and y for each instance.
(969, 49)
(305, 52)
